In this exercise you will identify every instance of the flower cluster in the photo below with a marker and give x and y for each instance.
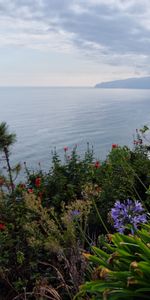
(127, 213)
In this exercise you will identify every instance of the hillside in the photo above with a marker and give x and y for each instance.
(130, 83)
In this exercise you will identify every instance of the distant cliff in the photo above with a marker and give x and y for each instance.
(130, 83)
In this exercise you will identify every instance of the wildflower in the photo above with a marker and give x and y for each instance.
(134, 264)
(38, 182)
(65, 148)
(40, 194)
(75, 212)
(138, 142)
(104, 273)
(22, 185)
(132, 281)
(2, 226)
(1, 181)
(86, 255)
(12, 185)
(127, 213)
(97, 164)
(30, 191)
(114, 146)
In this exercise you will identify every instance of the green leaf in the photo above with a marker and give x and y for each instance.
(100, 253)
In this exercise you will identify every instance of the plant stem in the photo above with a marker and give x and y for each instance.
(99, 216)
(6, 152)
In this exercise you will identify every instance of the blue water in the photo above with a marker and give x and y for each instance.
(45, 118)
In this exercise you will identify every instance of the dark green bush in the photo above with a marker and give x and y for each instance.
(47, 221)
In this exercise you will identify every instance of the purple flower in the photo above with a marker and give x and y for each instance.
(75, 213)
(128, 213)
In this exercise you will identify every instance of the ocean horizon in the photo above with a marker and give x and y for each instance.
(45, 118)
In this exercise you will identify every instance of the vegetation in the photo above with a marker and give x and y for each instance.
(50, 222)
(122, 268)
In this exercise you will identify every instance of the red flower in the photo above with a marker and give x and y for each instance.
(65, 148)
(97, 164)
(2, 226)
(40, 194)
(30, 191)
(38, 182)
(1, 181)
(22, 186)
(114, 146)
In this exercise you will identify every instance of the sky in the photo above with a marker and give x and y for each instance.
(73, 42)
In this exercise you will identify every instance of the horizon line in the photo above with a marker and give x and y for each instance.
(45, 86)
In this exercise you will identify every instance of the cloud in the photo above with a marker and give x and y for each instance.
(106, 31)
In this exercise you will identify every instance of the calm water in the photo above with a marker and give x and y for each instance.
(44, 118)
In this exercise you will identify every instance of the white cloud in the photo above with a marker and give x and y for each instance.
(108, 32)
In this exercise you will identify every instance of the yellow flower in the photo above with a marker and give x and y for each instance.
(86, 255)
(134, 264)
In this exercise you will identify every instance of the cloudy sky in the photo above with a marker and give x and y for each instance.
(73, 42)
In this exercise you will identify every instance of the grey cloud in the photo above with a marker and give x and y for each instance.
(119, 34)
(104, 29)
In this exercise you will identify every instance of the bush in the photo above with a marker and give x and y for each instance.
(47, 221)
(37, 251)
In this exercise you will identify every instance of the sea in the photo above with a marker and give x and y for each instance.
(45, 119)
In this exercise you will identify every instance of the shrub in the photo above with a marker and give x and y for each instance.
(39, 252)
(47, 220)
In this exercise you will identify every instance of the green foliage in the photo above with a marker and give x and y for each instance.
(64, 181)
(124, 174)
(28, 232)
(36, 247)
(122, 268)
(6, 138)
(47, 221)
(6, 141)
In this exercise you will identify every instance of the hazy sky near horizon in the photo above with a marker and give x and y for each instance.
(73, 42)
